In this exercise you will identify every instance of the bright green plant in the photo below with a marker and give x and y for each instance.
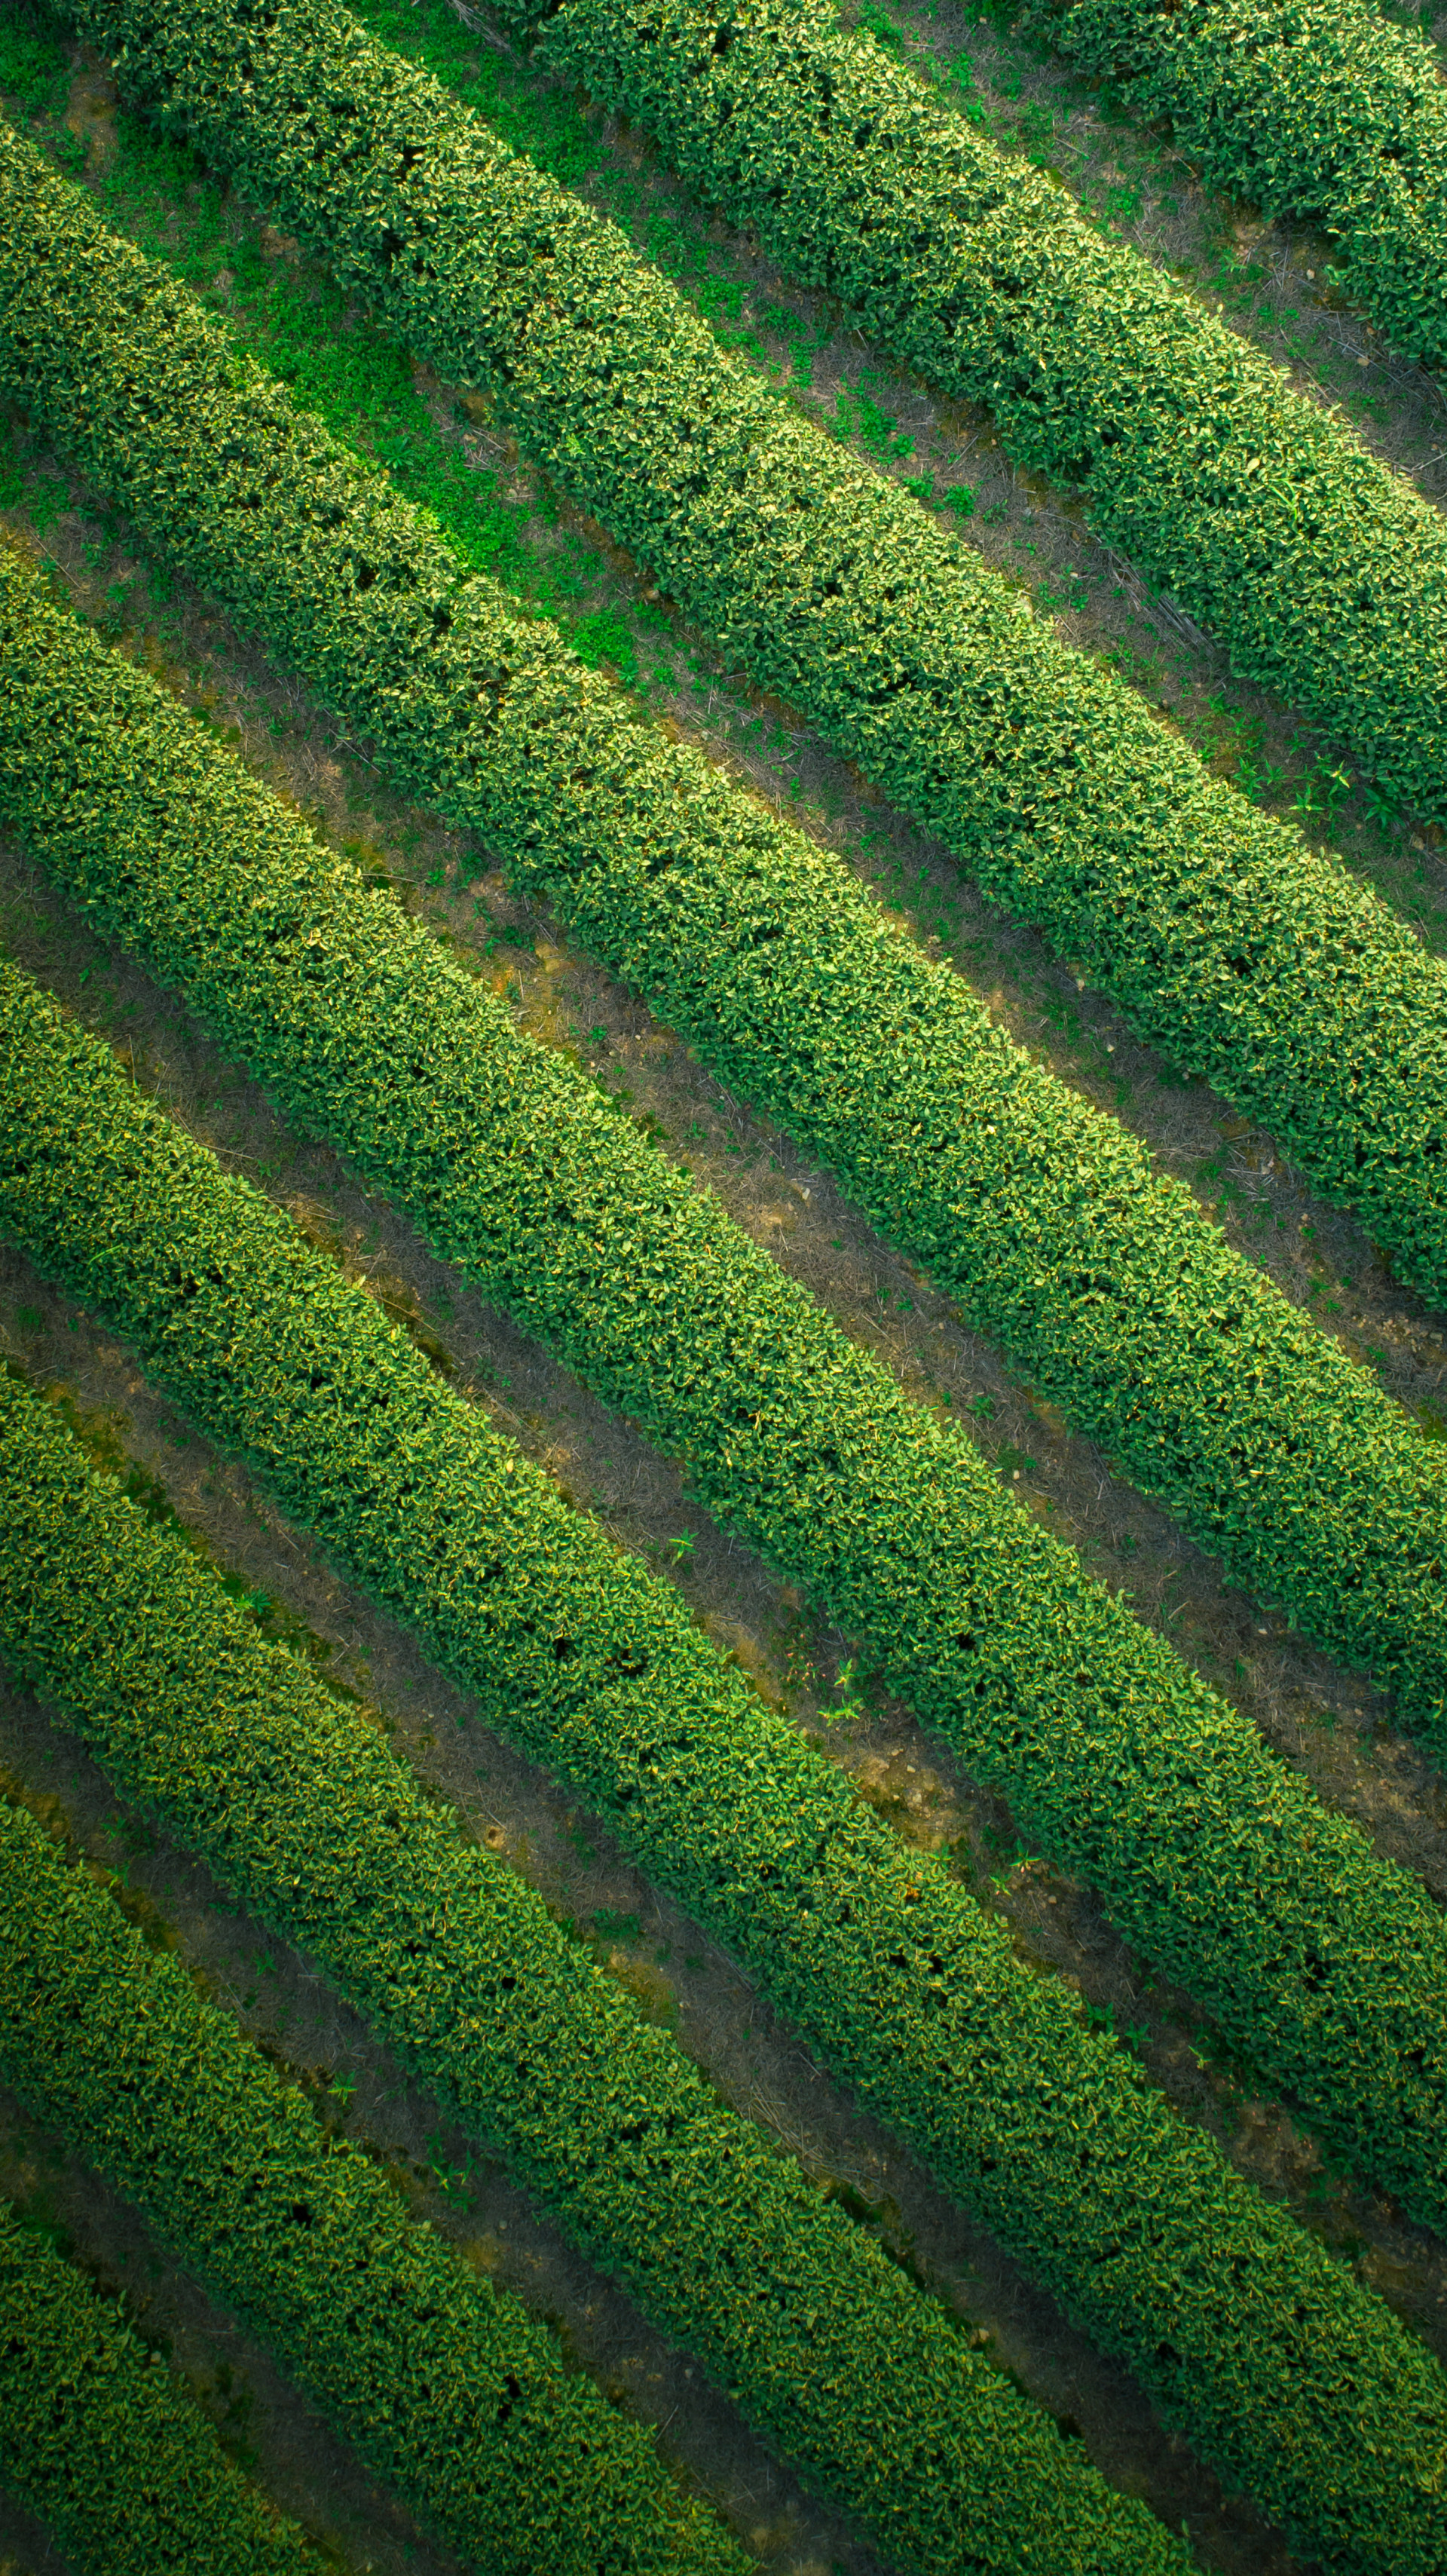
(1322, 573)
(100, 2441)
(1107, 1284)
(1329, 1965)
(1316, 109)
(446, 2386)
(1257, 963)
(1286, 2373)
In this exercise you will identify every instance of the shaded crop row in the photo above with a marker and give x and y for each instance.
(442, 2382)
(1319, 109)
(1322, 573)
(302, 1807)
(1245, 2334)
(99, 2440)
(1106, 1283)
(1257, 963)
(1218, 1862)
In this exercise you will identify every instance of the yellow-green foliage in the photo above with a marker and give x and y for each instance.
(1280, 2367)
(1313, 108)
(99, 2440)
(1102, 1280)
(1259, 964)
(1323, 573)
(445, 2385)
(1107, 1745)
(1103, 1740)
(448, 2388)
(593, 1665)
(1287, 2375)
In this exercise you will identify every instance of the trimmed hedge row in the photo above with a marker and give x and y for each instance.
(1320, 570)
(1259, 964)
(594, 1668)
(1216, 1858)
(446, 2386)
(1292, 2378)
(100, 2441)
(1109, 1285)
(1317, 109)
(558, 1211)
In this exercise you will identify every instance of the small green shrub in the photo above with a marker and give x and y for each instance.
(447, 2388)
(100, 2441)
(1253, 961)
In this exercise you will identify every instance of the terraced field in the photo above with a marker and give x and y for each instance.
(723, 1247)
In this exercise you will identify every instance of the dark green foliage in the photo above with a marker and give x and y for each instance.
(1108, 1747)
(1221, 1853)
(1107, 1284)
(99, 2440)
(35, 75)
(898, 1527)
(1287, 2374)
(1310, 108)
(1257, 963)
(447, 2387)
(1322, 573)
(519, 1171)
(1145, 2273)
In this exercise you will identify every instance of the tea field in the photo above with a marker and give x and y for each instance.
(723, 1257)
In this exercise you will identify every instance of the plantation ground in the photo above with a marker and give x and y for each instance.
(1321, 1716)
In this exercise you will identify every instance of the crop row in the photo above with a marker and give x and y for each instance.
(1257, 963)
(907, 1989)
(1039, 1213)
(1101, 2519)
(1321, 109)
(302, 1807)
(296, 1804)
(1218, 1862)
(583, 1233)
(442, 2383)
(1101, 1280)
(99, 2440)
(1309, 560)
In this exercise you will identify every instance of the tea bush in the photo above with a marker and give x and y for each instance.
(446, 2386)
(599, 1671)
(1108, 1284)
(1257, 963)
(1286, 2373)
(100, 2441)
(1321, 572)
(1310, 108)
(1328, 1964)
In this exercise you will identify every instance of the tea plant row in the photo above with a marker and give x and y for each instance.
(100, 2441)
(304, 1810)
(593, 1667)
(1327, 1963)
(1322, 574)
(1245, 2330)
(445, 2385)
(1318, 109)
(1257, 963)
(517, 1170)
(1041, 1214)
